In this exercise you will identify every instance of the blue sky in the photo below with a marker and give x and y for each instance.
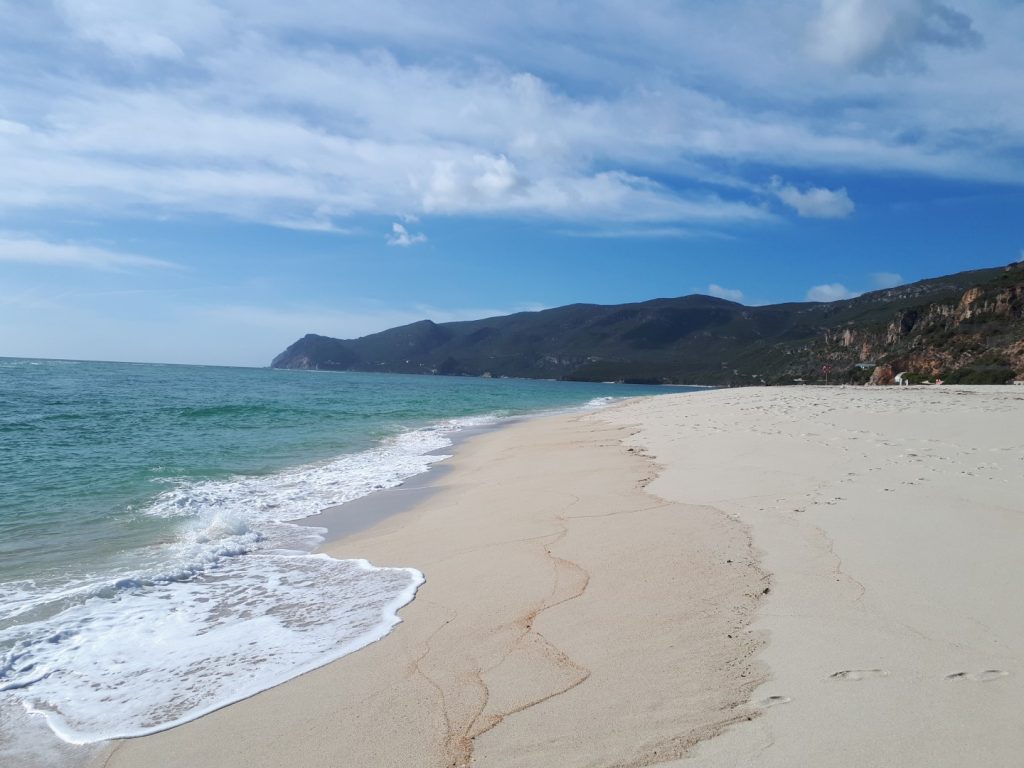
(206, 180)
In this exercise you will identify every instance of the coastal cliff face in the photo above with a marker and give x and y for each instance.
(966, 327)
(979, 337)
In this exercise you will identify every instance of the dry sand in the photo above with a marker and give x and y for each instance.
(892, 522)
(578, 614)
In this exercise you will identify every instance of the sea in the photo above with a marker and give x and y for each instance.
(152, 568)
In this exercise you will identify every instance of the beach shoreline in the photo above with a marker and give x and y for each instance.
(770, 577)
(490, 660)
(341, 521)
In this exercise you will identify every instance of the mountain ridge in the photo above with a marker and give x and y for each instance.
(966, 326)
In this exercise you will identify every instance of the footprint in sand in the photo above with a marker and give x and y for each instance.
(771, 701)
(985, 676)
(859, 674)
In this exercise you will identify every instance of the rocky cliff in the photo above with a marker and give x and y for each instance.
(976, 336)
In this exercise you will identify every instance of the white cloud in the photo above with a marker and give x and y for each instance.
(830, 292)
(815, 202)
(146, 29)
(313, 224)
(402, 237)
(28, 250)
(248, 111)
(480, 182)
(886, 279)
(150, 150)
(731, 294)
(11, 127)
(877, 33)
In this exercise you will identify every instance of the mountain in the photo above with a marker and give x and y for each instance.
(964, 327)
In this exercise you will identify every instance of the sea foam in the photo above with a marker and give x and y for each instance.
(236, 603)
(157, 655)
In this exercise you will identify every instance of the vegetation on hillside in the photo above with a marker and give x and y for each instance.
(966, 327)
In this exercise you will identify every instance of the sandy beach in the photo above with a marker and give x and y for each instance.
(761, 577)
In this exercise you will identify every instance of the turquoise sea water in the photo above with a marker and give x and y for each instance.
(149, 571)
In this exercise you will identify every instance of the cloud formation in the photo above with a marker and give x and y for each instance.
(886, 279)
(731, 294)
(28, 250)
(830, 292)
(401, 236)
(875, 34)
(141, 29)
(318, 115)
(814, 202)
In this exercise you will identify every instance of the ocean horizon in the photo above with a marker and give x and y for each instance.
(151, 564)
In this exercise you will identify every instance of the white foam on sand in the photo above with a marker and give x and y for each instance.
(235, 604)
(154, 656)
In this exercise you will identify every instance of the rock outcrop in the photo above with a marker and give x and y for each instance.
(882, 375)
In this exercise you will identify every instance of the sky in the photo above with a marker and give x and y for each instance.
(205, 181)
